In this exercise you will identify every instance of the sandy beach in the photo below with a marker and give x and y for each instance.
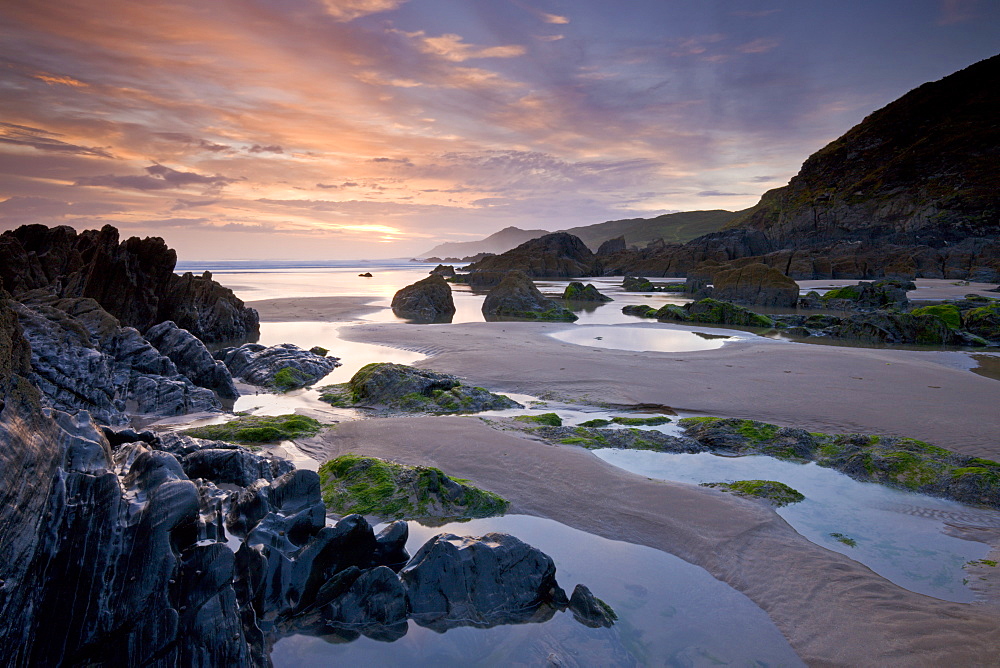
(306, 309)
(833, 610)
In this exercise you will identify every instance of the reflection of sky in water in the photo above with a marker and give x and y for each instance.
(671, 613)
(899, 534)
(621, 337)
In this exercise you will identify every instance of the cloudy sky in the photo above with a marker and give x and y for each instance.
(377, 128)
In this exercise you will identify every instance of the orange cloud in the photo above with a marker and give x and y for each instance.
(348, 10)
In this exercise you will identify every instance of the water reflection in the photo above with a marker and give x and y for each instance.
(658, 339)
(899, 535)
(670, 613)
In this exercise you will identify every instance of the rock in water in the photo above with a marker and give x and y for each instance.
(584, 293)
(443, 270)
(283, 367)
(590, 610)
(557, 255)
(427, 300)
(637, 284)
(756, 284)
(192, 358)
(517, 297)
(496, 579)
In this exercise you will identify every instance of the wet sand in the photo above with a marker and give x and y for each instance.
(313, 309)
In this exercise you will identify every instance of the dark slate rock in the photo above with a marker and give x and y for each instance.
(192, 358)
(496, 579)
(755, 284)
(375, 604)
(517, 297)
(133, 280)
(637, 284)
(443, 270)
(391, 543)
(409, 388)
(234, 466)
(589, 610)
(427, 300)
(611, 246)
(259, 365)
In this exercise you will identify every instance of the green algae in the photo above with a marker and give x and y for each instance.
(773, 491)
(258, 429)
(547, 419)
(377, 487)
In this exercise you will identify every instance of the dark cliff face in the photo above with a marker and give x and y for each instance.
(920, 171)
(132, 280)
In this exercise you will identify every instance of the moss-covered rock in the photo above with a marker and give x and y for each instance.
(377, 487)
(946, 313)
(777, 493)
(984, 321)
(899, 462)
(641, 310)
(516, 297)
(259, 429)
(577, 291)
(756, 284)
(548, 419)
(641, 421)
(713, 311)
(406, 388)
(637, 284)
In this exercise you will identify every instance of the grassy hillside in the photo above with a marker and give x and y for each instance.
(671, 227)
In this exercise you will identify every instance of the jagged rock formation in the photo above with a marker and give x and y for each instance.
(553, 255)
(82, 359)
(517, 297)
(443, 270)
(282, 367)
(192, 358)
(756, 284)
(427, 300)
(912, 191)
(132, 280)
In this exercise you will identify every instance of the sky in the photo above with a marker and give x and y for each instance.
(347, 129)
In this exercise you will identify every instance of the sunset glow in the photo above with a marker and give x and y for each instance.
(352, 128)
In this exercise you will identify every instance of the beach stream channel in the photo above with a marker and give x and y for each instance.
(670, 612)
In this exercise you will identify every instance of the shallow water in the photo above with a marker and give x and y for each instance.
(900, 535)
(671, 613)
(644, 339)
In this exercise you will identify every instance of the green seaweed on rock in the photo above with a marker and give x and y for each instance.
(258, 429)
(377, 487)
(777, 493)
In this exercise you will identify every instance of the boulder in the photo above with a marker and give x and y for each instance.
(590, 610)
(756, 284)
(282, 367)
(554, 255)
(611, 246)
(984, 321)
(585, 293)
(427, 300)
(192, 358)
(716, 312)
(443, 270)
(463, 581)
(517, 297)
(636, 284)
(234, 466)
(409, 388)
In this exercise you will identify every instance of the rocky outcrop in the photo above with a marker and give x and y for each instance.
(401, 387)
(132, 280)
(427, 300)
(82, 359)
(517, 297)
(756, 284)
(585, 293)
(192, 358)
(553, 255)
(443, 270)
(910, 192)
(887, 293)
(611, 246)
(637, 284)
(506, 581)
(282, 367)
